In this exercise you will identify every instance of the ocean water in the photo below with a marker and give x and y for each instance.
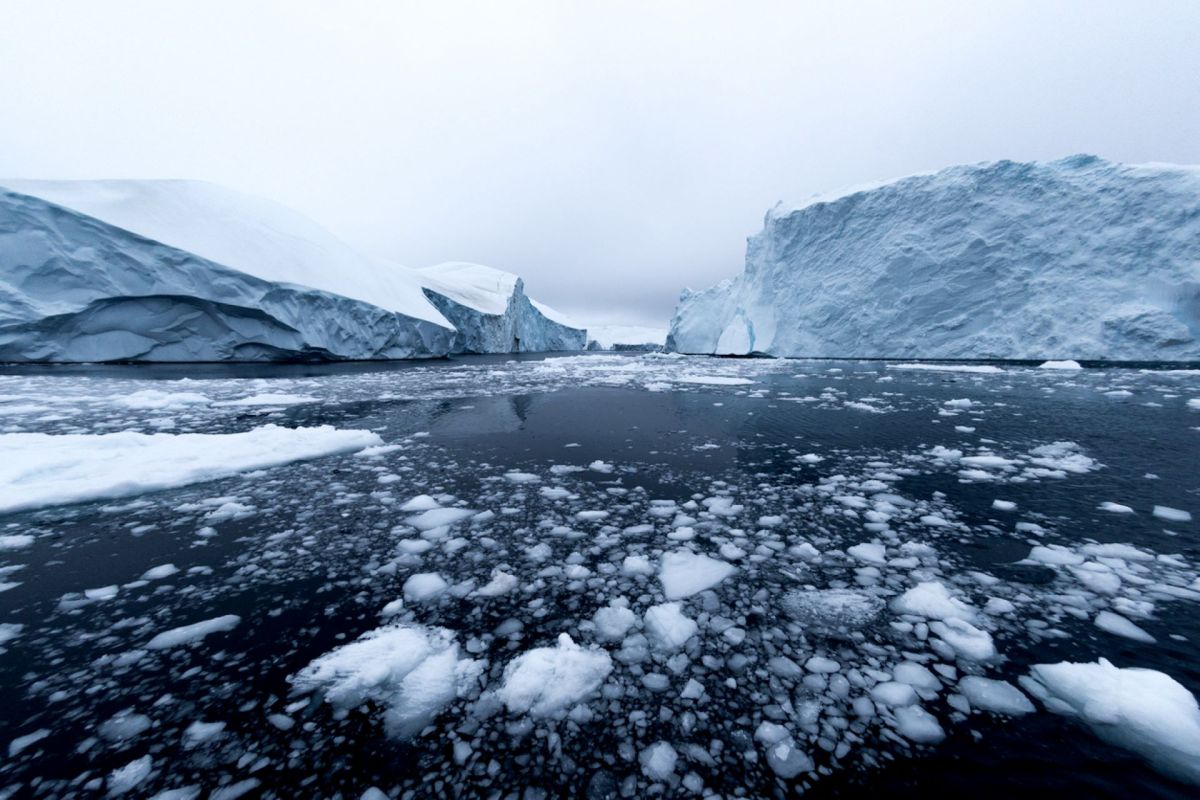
(568, 467)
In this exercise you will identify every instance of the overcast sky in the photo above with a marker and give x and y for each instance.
(611, 153)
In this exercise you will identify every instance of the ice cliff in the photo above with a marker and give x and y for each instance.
(1079, 258)
(191, 271)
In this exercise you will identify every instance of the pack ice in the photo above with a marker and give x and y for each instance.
(1080, 258)
(191, 271)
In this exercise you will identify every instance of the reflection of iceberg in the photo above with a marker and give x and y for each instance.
(479, 415)
(190, 271)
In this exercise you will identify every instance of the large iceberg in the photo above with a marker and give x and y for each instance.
(191, 271)
(1079, 258)
(492, 314)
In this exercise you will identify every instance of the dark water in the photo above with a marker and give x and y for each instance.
(308, 570)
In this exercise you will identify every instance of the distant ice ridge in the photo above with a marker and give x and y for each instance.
(191, 271)
(1080, 258)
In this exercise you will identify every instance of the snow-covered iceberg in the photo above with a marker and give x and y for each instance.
(192, 271)
(492, 314)
(1080, 258)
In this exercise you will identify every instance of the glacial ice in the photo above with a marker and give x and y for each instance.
(191, 271)
(1143, 710)
(1079, 258)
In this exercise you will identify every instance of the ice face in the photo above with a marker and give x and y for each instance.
(1112, 270)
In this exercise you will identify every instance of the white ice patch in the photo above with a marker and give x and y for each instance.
(1066, 364)
(933, 600)
(684, 573)
(187, 634)
(38, 469)
(413, 671)
(668, 627)
(546, 680)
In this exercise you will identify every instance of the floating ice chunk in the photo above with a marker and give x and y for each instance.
(668, 627)
(1172, 514)
(160, 572)
(129, 777)
(1065, 364)
(976, 368)
(658, 761)
(412, 670)
(600, 466)
(421, 502)
(1004, 505)
(1115, 508)
(501, 583)
(187, 634)
(200, 732)
(637, 565)
(590, 516)
(684, 573)
(1064, 457)
(933, 600)
(8, 632)
(918, 725)
(546, 680)
(124, 725)
(870, 552)
(996, 696)
(787, 760)
(438, 517)
(731, 552)
(963, 402)
(916, 675)
(424, 586)
(968, 641)
(1055, 555)
(101, 593)
(17, 745)
(40, 469)
(1120, 626)
(614, 621)
(15, 541)
(893, 694)
(1117, 550)
(1143, 710)
(821, 664)
(153, 399)
(829, 609)
(522, 477)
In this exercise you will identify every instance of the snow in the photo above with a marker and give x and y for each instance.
(38, 469)
(413, 670)
(847, 277)
(189, 634)
(684, 573)
(547, 680)
(1142, 710)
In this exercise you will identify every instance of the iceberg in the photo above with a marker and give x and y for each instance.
(1080, 258)
(190, 271)
(492, 314)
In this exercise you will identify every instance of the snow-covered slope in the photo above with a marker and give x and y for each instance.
(81, 269)
(1077, 258)
(243, 232)
(74, 288)
(492, 314)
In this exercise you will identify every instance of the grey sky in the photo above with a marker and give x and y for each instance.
(611, 153)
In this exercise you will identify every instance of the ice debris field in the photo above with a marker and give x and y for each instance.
(601, 576)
